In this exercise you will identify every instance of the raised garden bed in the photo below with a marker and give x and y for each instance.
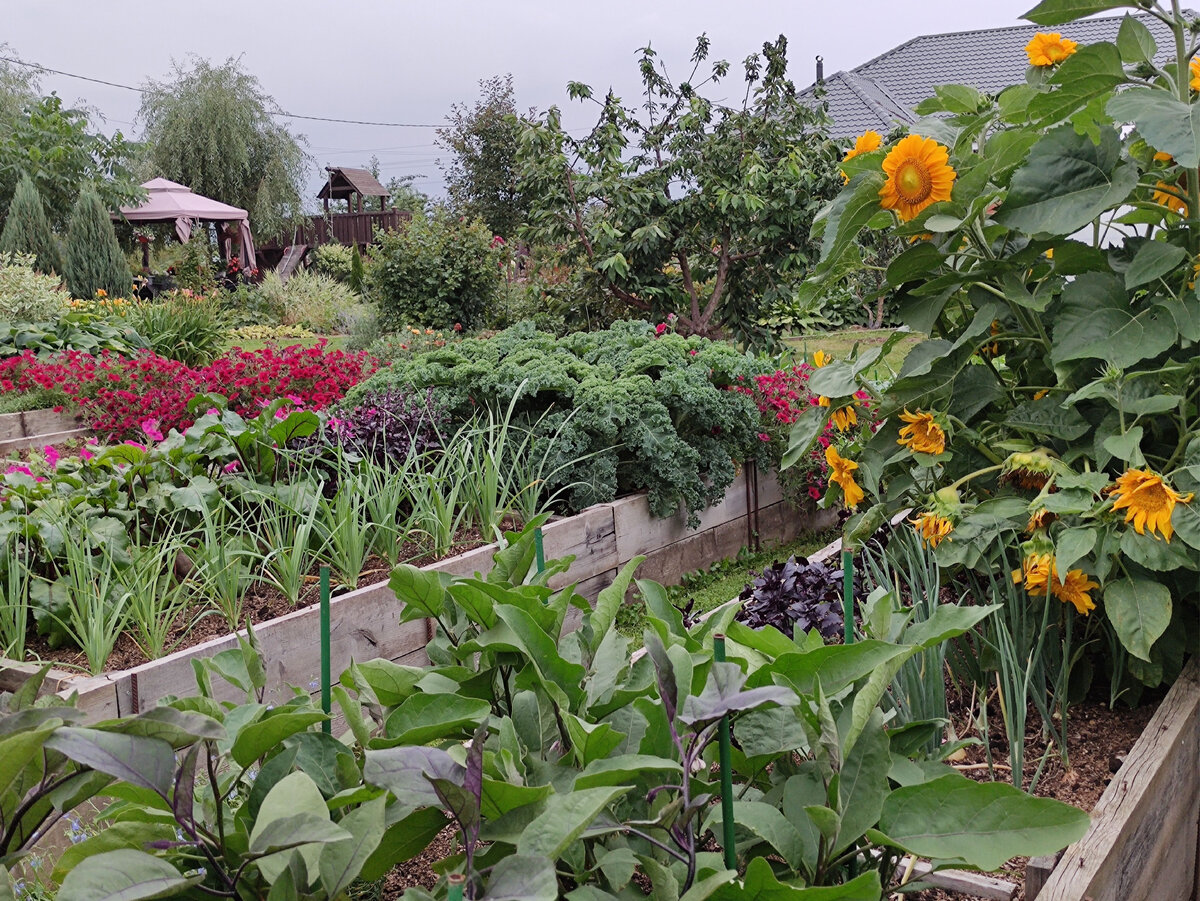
(33, 428)
(365, 622)
(1143, 840)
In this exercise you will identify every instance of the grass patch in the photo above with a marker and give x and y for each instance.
(725, 579)
(332, 342)
(841, 345)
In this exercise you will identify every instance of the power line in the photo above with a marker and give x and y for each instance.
(282, 114)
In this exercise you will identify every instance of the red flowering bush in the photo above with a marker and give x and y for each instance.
(116, 393)
(781, 397)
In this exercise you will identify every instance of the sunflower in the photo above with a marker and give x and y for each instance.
(844, 417)
(1049, 49)
(1030, 471)
(841, 473)
(933, 528)
(1040, 519)
(1074, 590)
(918, 174)
(1147, 501)
(1168, 193)
(922, 434)
(1035, 572)
(864, 143)
(1194, 68)
(820, 358)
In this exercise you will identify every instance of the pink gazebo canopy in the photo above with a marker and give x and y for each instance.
(172, 202)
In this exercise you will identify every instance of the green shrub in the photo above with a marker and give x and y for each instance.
(437, 271)
(333, 260)
(94, 261)
(191, 329)
(194, 270)
(310, 299)
(27, 230)
(653, 412)
(357, 270)
(26, 295)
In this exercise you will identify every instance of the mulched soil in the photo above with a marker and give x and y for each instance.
(263, 603)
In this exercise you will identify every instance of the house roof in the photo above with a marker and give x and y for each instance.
(882, 93)
(345, 181)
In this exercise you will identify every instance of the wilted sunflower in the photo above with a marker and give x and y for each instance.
(864, 143)
(1049, 49)
(843, 417)
(1040, 519)
(820, 358)
(918, 174)
(1030, 471)
(1147, 501)
(841, 473)
(1194, 68)
(1074, 590)
(922, 434)
(932, 528)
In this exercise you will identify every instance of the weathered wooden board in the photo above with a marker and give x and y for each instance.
(34, 427)
(1143, 840)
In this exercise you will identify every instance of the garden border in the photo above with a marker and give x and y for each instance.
(1143, 838)
(365, 622)
(30, 428)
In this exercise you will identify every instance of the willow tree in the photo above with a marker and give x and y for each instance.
(214, 129)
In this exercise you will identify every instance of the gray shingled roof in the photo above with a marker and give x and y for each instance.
(883, 92)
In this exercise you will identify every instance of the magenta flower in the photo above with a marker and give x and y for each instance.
(135, 444)
(232, 466)
(52, 456)
(85, 454)
(17, 467)
(150, 427)
(763, 436)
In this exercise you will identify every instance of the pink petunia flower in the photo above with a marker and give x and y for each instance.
(52, 456)
(232, 466)
(150, 428)
(85, 454)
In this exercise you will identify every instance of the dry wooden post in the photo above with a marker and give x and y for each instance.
(1037, 873)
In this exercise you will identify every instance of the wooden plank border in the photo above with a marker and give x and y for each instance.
(34, 427)
(1143, 839)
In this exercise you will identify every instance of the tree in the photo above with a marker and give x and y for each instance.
(688, 206)
(212, 128)
(27, 230)
(482, 172)
(94, 261)
(18, 88)
(55, 148)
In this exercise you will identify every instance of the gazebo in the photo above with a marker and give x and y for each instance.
(173, 202)
(344, 183)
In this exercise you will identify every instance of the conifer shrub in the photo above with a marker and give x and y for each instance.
(27, 230)
(93, 261)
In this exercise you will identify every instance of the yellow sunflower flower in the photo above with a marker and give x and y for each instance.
(922, 434)
(932, 528)
(864, 143)
(843, 417)
(1074, 590)
(1194, 69)
(1034, 573)
(1168, 193)
(918, 174)
(841, 473)
(1147, 501)
(1049, 49)
(820, 358)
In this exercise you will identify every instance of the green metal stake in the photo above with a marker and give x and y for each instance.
(539, 549)
(325, 677)
(847, 591)
(456, 882)
(726, 755)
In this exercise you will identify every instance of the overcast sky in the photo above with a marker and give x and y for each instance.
(386, 60)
